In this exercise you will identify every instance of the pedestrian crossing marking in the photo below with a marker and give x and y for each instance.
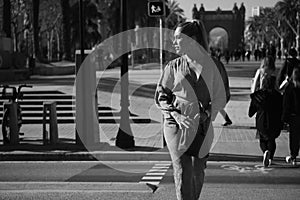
(163, 164)
(152, 178)
(160, 167)
(158, 170)
(156, 174)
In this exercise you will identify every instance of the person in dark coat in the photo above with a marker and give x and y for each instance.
(268, 108)
(286, 70)
(291, 114)
(225, 80)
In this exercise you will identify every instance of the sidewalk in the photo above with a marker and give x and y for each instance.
(233, 143)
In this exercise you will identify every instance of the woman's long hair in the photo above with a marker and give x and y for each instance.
(268, 63)
(267, 71)
(296, 76)
(195, 28)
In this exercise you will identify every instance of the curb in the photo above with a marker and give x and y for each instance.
(116, 156)
(85, 156)
(51, 70)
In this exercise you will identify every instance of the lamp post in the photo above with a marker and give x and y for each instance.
(81, 31)
(298, 32)
(124, 137)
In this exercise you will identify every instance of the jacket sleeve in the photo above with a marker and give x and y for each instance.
(163, 96)
(282, 73)
(255, 81)
(286, 105)
(252, 109)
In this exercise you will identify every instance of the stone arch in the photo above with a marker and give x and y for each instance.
(233, 21)
(209, 32)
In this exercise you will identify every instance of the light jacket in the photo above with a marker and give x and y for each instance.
(201, 81)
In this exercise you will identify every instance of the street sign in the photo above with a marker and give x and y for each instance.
(156, 8)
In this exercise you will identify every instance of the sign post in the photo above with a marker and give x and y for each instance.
(157, 9)
(124, 137)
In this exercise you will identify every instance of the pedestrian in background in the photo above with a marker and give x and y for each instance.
(225, 80)
(286, 70)
(190, 94)
(291, 113)
(266, 102)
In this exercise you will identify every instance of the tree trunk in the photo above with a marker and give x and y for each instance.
(7, 18)
(66, 39)
(48, 46)
(51, 45)
(35, 10)
(15, 38)
(58, 45)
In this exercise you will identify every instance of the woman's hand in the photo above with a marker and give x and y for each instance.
(184, 121)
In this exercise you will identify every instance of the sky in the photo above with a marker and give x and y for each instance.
(187, 5)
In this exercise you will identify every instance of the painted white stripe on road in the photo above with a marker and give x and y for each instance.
(160, 167)
(158, 170)
(155, 174)
(162, 164)
(152, 178)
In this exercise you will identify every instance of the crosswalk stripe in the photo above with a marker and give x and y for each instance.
(158, 170)
(160, 167)
(155, 174)
(163, 164)
(152, 178)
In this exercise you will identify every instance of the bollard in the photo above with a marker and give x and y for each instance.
(53, 136)
(12, 122)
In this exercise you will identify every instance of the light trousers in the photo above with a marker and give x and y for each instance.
(189, 171)
(189, 177)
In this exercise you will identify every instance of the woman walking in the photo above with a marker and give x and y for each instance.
(291, 113)
(266, 102)
(190, 93)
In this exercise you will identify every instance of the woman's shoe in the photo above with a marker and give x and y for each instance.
(227, 123)
(293, 161)
(266, 158)
(288, 159)
(270, 162)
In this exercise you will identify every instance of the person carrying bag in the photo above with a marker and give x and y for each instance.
(266, 103)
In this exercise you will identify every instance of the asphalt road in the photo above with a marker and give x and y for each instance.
(127, 180)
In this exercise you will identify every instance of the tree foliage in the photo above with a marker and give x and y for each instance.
(174, 14)
(50, 29)
(275, 21)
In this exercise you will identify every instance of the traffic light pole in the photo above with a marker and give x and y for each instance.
(81, 21)
(161, 43)
(124, 137)
(298, 34)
